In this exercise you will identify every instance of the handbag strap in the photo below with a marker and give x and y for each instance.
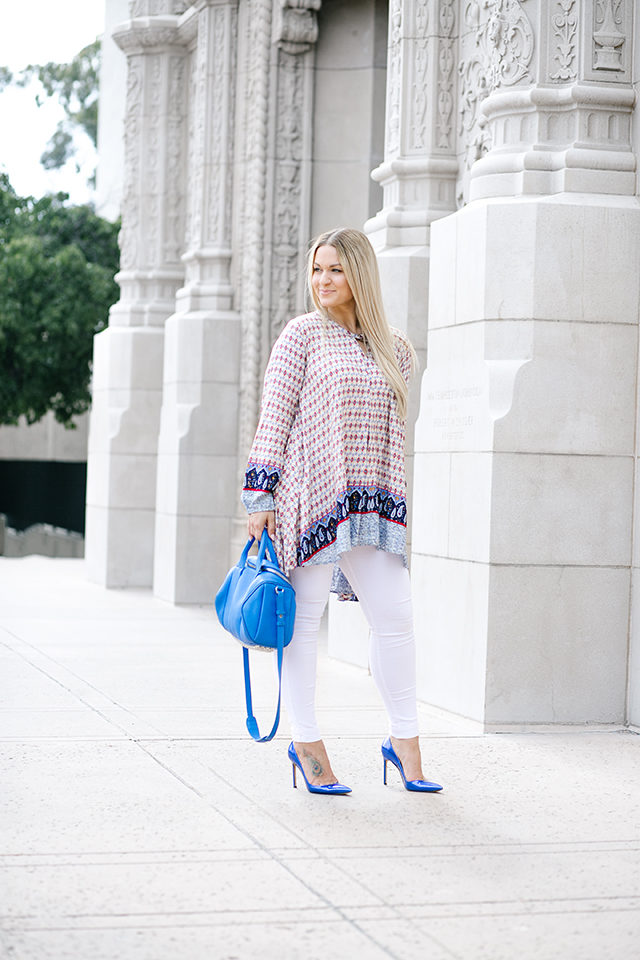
(252, 723)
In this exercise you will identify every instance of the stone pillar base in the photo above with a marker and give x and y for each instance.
(121, 478)
(524, 461)
(197, 490)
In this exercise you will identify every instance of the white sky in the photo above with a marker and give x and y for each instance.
(38, 31)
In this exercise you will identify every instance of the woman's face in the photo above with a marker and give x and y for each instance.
(329, 281)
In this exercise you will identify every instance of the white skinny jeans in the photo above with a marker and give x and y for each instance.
(381, 583)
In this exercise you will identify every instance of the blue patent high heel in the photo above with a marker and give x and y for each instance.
(420, 786)
(336, 788)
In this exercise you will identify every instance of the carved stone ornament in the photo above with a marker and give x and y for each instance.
(446, 63)
(154, 8)
(137, 36)
(509, 38)
(298, 25)
(394, 80)
(504, 44)
(608, 38)
(252, 197)
(564, 24)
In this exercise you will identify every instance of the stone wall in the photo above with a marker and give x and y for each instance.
(525, 440)
(503, 208)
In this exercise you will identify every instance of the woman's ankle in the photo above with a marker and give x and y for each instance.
(313, 756)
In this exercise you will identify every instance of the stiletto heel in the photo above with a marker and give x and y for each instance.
(336, 788)
(419, 786)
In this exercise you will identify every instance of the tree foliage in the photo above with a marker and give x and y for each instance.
(76, 86)
(57, 264)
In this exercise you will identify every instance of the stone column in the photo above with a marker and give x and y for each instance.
(272, 180)
(419, 171)
(525, 439)
(196, 488)
(418, 176)
(127, 376)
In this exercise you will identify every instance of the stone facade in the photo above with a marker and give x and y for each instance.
(503, 206)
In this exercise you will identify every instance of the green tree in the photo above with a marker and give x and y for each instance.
(57, 264)
(76, 87)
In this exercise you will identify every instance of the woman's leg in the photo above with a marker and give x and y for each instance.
(382, 584)
(299, 670)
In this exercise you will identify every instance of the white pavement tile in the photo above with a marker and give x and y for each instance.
(299, 938)
(56, 893)
(611, 935)
(100, 796)
(25, 723)
(496, 878)
(405, 940)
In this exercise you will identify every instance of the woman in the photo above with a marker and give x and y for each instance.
(326, 476)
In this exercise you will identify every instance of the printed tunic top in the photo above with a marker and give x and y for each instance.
(328, 454)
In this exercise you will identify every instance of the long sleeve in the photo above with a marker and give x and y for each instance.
(282, 384)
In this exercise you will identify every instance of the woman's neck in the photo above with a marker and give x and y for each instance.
(346, 317)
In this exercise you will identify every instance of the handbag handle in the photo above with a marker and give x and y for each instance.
(252, 723)
(266, 544)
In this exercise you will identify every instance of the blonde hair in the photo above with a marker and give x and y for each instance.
(358, 261)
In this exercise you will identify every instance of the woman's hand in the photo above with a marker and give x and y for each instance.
(258, 521)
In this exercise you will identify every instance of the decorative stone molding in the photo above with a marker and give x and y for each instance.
(446, 63)
(154, 8)
(611, 37)
(251, 187)
(564, 135)
(394, 79)
(288, 190)
(153, 196)
(419, 170)
(473, 125)
(509, 38)
(558, 139)
(564, 46)
(297, 25)
(210, 159)
(144, 33)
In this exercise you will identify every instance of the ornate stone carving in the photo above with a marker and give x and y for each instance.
(287, 242)
(131, 192)
(298, 28)
(419, 46)
(134, 38)
(564, 23)
(509, 38)
(419, 105)
(174, 199)
(447, 16)
(210, 190)
(446, 62)
(190, 226)
(504, 44)
(153, 196)
(394, 80)
(608, 38)
(473, 73)
(154, 8)
(257, 47)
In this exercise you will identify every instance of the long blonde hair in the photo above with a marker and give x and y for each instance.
(358, 261)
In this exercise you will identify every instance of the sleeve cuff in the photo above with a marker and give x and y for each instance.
(257, 501)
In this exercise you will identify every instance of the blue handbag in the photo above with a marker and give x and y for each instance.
(257, 604)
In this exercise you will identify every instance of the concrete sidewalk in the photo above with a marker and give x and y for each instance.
(142, 823)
